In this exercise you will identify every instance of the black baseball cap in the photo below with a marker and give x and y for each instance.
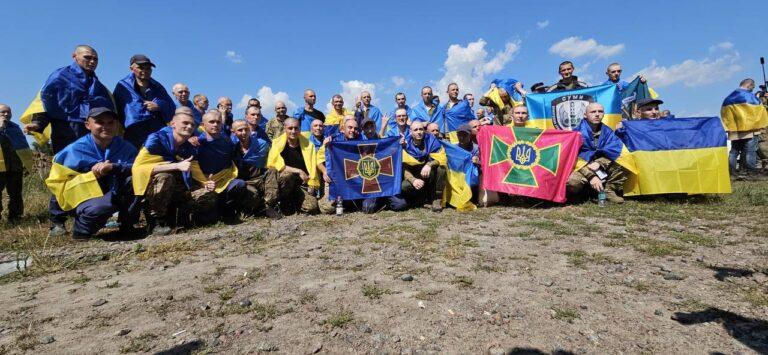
(648, 101)
(98, 111)
(141, 59)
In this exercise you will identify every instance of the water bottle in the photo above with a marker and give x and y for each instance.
(339, 206)
(601, 198)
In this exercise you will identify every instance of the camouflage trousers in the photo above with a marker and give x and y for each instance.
(167, 190)
(262, 191)
(292, 195)
(615, 180)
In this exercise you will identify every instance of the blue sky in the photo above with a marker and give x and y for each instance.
(694, 53)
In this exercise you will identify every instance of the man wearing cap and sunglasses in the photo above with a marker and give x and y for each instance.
(143, 105)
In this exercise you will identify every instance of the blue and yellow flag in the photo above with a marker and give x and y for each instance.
(71, 179)
(19, 144)
(743, 112)
(566, 109)
(609, 145)
(509, 85)
(364, 169)
(433, 150)
(422, 113)
(308, 152)
(630, 93)
(159, 148)
(461, 174)
(459, 114)
(215, 160)
(682, 155)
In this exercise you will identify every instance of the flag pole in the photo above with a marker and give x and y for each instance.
(765, 82)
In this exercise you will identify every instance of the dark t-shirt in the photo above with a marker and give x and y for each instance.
(293, 158)
(12, 161)
(316, 114)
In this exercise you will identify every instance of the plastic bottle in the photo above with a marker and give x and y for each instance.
(339, 206)
(601, 198)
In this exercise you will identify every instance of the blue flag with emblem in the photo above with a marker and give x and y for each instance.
(364, 169)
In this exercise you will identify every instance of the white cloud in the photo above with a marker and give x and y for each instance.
(542, 24)
(234, 57)
(352, 89)
(467, 66)
(268, 98)
(398, 81)
(722, 46)
(692, 72)
(574, 47)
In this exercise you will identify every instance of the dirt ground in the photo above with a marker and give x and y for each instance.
(654, 276)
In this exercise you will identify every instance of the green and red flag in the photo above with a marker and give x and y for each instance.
(528, 161)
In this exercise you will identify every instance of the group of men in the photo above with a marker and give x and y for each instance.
(179, 162)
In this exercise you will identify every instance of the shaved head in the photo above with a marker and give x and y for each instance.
(86, 57)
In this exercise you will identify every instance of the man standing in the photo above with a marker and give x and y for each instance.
(744, 117)
(648, 108)
(251, 152)
(256, 121)
(162, 174)
(333, 119)
(64, 101)
(471, 99)
(181, 95)
(92, 177)
(423, 168)
(433, 129)
(501, 115)
(143, 105)
(427, 110)
(215, 162)
(307, 114)
(224, 106)
(400, 103)
(568, 81)
(294, 157)
(275, 127)
(401, 128)
(14, 158)
(453, 96)
(364, 110)
(519, 116)
(201, 104)
(614, 76)
(599, 150)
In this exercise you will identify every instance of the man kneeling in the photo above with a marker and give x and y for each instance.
(293, 156)
(161, 174)
(92, 177)
(599, 152)
(251, 157)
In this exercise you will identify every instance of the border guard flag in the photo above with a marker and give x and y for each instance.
(565, 109)
(681, 155)
(364, 169)
(743, 112)
(528, 161)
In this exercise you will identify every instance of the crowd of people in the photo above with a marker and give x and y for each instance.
(139, 149)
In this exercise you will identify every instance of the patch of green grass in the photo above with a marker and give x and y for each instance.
(140, 343)
(340, 319)
(114, 284)
(694, 238)
(306, 297)
(425, 295)
(556, 228)
(756, 296)
(655, 247)
(457, 241)
(373, 291)
(463, 281)
(580, 258)
(227, 294)
(172, 252)
(565, 314)
(80, 279)
(690, 305)
(486, 267)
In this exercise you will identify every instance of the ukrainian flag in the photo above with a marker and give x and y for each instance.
(743, 112)
(36, 107)
(214, 160)
(461, 176)
(681, 155)
(459, 114)
(19, 145)
(276, 161)
(565, 109)
(494, 95)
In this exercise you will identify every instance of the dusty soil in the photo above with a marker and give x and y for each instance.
(639, 278)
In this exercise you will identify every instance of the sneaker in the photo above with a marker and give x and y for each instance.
(437, 205)
(272, 213)
(57, 230)
(612, 197)
(160, 230)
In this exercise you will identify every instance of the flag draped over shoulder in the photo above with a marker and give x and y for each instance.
(364, 169)
(308, 152)
(528, 161)
(608, 145)
(215, 159)
(566, 109)
(459, 114)
(421, 113)
(19, 145)
(682, 155)
(509, 86)
(71, 179)
(130, 104)
(461, 176)
(743, 112)
(159, 148)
